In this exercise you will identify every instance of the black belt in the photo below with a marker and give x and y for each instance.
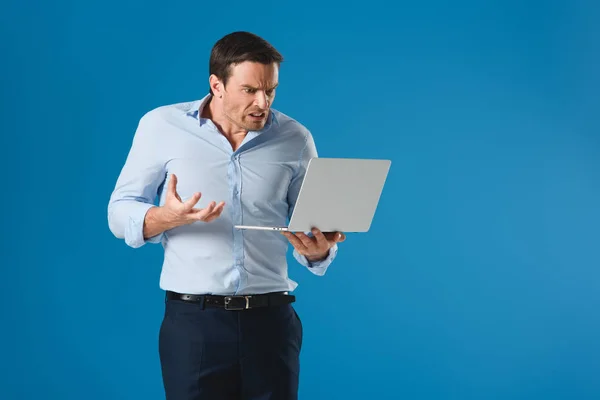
(234, 302)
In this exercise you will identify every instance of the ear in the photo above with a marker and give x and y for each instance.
(216, 85)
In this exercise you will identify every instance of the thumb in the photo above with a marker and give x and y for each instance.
(172, 187)
(340, 237)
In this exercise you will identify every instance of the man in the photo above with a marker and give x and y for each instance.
(229, 329)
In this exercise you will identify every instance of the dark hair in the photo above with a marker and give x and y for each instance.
(237, 47)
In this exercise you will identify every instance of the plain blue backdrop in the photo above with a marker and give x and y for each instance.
(480, 276)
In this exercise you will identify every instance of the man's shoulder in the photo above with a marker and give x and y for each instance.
(290, 125)
(170, 111)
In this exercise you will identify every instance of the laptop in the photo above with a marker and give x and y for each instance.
(337, 194)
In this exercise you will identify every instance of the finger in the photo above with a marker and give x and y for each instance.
(216, 213)
(322, 241)
(172, 187)
(192, 201)
(219, 208)
(335, 237)
(310, 243)
(340, 237)
(297, 243)
(212, 205)
(202, 213)
(211, 218)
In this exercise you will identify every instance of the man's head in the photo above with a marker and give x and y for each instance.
(244, 72)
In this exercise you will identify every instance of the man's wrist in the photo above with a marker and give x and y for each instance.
(318, 257)
(156, 222)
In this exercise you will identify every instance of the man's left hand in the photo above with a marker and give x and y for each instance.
(314, 248)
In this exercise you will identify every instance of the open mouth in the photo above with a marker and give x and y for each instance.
(257, 116)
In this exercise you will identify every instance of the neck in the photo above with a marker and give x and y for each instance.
(214, 112)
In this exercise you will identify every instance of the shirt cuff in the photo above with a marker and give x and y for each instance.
(317, 267)
(134, 231)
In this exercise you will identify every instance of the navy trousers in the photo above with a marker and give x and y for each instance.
(218, 354)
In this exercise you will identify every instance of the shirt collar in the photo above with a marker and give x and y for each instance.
(196, 107)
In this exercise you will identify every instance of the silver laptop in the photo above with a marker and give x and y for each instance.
(337, 194)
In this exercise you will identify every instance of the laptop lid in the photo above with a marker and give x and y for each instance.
(339, 194)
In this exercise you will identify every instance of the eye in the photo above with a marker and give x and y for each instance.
(270, 92)
(248, 90)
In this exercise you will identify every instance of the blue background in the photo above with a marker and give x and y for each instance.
(480, 277)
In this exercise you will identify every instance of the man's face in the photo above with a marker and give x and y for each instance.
(249, 94)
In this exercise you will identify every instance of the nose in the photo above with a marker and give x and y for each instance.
(261, 100)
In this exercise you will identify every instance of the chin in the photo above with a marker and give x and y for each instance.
(253, 126)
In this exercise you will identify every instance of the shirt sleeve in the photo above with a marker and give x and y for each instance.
(318, 267)
(137, 185)
(309, 151)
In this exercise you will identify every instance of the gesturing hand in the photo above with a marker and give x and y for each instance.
(314, 248)
(183, 213)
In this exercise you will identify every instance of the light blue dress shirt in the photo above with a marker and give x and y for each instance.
(259, 183)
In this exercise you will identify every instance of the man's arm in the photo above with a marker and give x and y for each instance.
(317, 265)
(132, 214)
(156, 222)
(132, 200)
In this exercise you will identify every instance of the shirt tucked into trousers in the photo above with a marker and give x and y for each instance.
(206, 352)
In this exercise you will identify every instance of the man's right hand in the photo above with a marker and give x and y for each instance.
(176, 213)
(184, 213)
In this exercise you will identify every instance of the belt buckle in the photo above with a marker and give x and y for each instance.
(232, 302)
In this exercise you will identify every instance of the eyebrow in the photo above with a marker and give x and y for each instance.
(252, 87)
